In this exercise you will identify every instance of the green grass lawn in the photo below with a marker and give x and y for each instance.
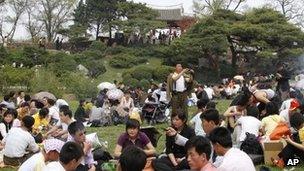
(111, 133)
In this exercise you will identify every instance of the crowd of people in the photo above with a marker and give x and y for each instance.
(43, 134)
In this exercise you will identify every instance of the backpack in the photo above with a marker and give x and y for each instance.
(251, 145)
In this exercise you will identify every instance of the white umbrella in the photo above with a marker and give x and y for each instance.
(106, 85)
(115, 94)
(39, 96)
(239, 77)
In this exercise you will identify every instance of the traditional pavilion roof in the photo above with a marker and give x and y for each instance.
(170, 14)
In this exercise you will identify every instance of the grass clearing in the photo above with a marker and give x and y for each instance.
(111, 133)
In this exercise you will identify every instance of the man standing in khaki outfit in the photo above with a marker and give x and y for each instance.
(178, 88)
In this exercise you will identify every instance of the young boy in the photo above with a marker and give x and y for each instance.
(77, 132)
(70, 157)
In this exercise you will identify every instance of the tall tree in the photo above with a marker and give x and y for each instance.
(202, 7)
(292, 9)
(101, 13)
(33, 26)
(137, 17)
(17, 8)
(54, 14)
(260, 34)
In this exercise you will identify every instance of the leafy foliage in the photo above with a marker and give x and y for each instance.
(126, 61)
(46, 80)
(79, 85)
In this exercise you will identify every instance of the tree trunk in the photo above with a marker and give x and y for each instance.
(233, 52)
(97, 30)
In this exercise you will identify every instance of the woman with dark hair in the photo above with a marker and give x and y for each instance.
(7, 123)
(133, 136)
(233, 113)
(80, 114)
(176, 154)
(272, 119)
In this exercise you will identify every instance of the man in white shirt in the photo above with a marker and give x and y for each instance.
(177, 90)
(249, 124)
(234, 159)
(50, 152)
(70, 157)
(209, 92)
(60, 130)
(53, 111)
(20, 98)
(19, 143)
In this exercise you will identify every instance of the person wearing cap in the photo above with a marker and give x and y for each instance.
(50, 152)
(287, 113)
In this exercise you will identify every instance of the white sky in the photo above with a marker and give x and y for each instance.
(187, 5)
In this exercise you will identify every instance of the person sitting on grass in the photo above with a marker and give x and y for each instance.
(80, 114)
(70, 157)
(19, 143)
(60, 130)
(133, 136)
(50, 152)
(234, 159)
(176, 154)
(132, 159)
(77, 132)
(7, 122)
(41, 120)
(295, 144)
(196, 120)
(198, 152)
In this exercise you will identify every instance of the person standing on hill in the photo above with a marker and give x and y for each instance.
(179, 86)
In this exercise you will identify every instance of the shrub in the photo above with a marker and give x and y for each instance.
(116, 50)
(142, 72)
(46, 80)
(98, 46)
(131, 82)
(126, 61)
(91, 55)
(145, 84)
(32, 56)
(95, 67)
(148, 73)
(80, 85)
(15, 76)
(161, 73)
(3, 54)
(61, 63)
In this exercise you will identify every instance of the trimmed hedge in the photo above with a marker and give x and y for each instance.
(126, 61)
